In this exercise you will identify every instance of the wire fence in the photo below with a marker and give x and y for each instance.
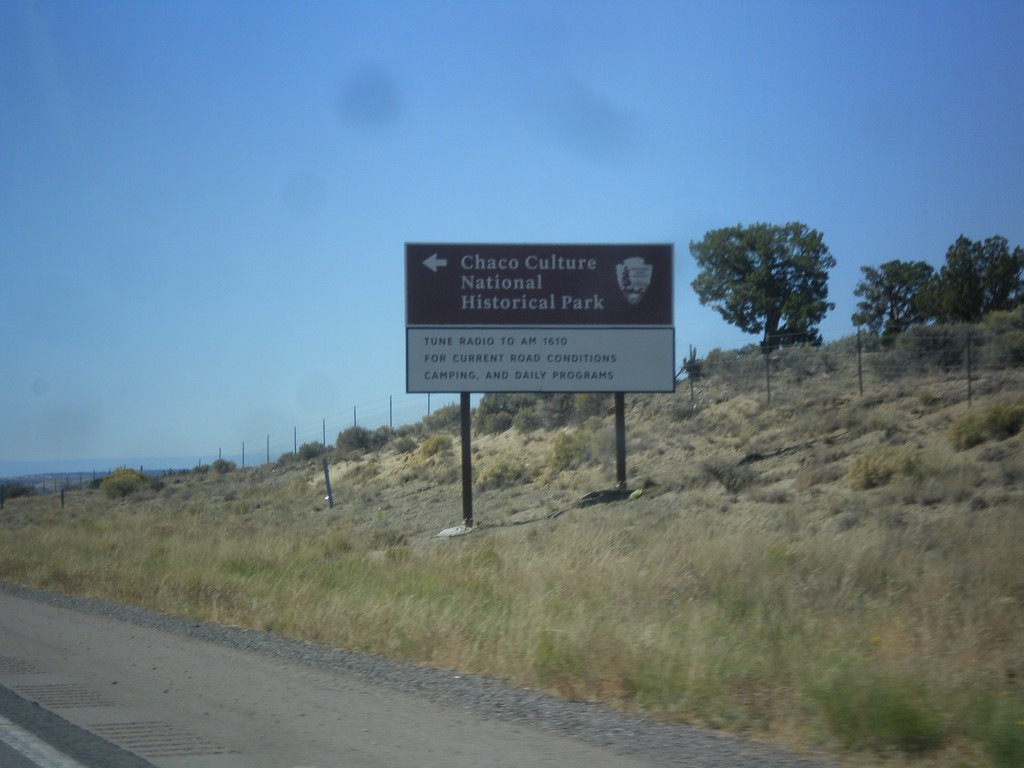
(969, 361)
(392, 412)
(968, 355)
(965, 357)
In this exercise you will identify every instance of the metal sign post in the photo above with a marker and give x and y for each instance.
(467, 461)
(620, 440)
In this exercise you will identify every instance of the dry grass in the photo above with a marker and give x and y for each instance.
(832, 571)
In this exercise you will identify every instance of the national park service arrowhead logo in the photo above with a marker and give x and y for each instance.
(634, 278)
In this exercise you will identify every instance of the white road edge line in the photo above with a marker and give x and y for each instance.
(36, 750)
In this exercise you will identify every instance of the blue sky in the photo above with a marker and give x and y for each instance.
(203, 205)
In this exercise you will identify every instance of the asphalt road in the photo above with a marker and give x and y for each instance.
(180, 702)
(99, 692)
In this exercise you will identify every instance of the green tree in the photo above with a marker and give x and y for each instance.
(978, 277)
(891, 296)
(766, 279)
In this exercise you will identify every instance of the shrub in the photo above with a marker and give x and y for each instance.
(968, 431)
(587, 405)
(934, 346)
(1007, 350)
(1004, 420)
(561, 409)
(309, 451)
(404, 444)
(1004, 343)
(998, 422)
(498, 410)
(434, 445)
(363, 472)
(735, 477)
(505, 471)
(495, 423)
(356, 441)
(1001, 322)
(414, 430)
(16, 489)
(526, 412)
(223, 466)
(571, 449)
(446, 419)
(528, 420)
(123, 482)
(872, 470)
(804, 361)
(556, 409)
(742, 368)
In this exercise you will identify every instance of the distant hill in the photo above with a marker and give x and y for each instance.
(43, 474)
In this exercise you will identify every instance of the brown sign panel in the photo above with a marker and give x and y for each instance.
(478, 285)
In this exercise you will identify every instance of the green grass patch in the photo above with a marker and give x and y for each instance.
(1003, 734)
(865, 708)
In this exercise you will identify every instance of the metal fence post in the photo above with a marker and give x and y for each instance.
(860, 367)
(327, 482)
(969, 370)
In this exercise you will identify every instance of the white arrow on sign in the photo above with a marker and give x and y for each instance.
(433, 263)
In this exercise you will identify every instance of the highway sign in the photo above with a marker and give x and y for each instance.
(539, 318)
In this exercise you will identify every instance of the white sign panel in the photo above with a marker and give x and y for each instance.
(532, 359)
